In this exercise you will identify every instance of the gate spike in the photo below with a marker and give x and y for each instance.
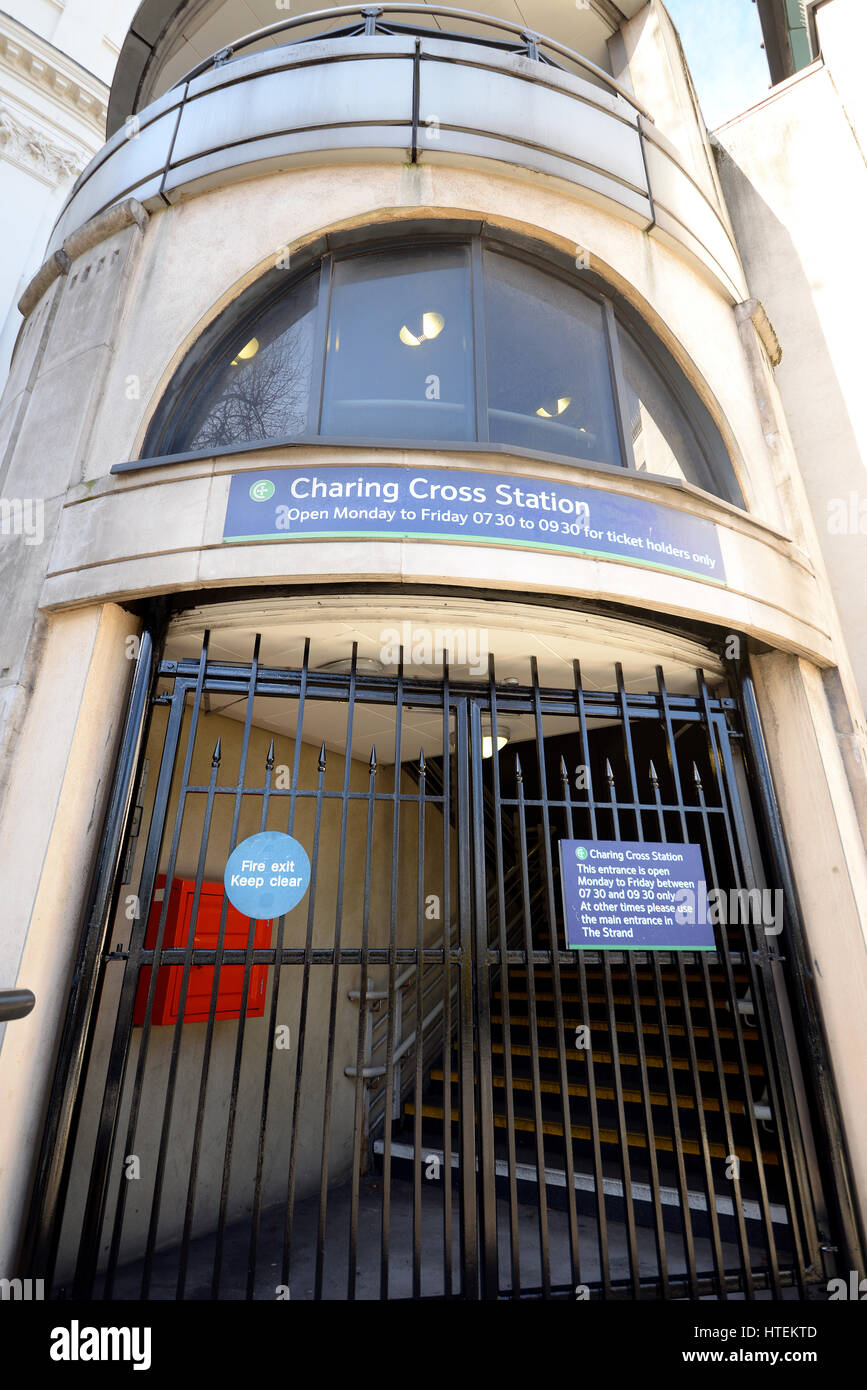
(269, 761)
(422, 765)
(217, 753)
(609, 772)
(696, 776)
(518, 773)
(372, 764)
(322, 757)
(653, 777)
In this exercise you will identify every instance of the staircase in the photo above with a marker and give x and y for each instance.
(620, 1108)
(652, 1112)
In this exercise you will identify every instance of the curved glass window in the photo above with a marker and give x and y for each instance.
(444, 342)
(549, 381)
(670, 431)
(399, 357)
(260, 388)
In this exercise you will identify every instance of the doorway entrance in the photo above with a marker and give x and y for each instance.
(410, 1086)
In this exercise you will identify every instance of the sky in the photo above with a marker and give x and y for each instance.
(721, 39)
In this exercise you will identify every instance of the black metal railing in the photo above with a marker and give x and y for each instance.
(373, 20)
(678, 1121)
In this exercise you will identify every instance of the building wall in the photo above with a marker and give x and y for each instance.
(49, 830)
(101, 343)
(56, 65)
(795, 179)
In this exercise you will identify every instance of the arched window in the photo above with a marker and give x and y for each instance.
(462, 342)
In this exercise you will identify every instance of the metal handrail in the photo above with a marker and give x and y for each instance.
(371, 14)
(15, 1003)
(403, 1041)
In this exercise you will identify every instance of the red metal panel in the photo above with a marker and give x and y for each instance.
(201, 977)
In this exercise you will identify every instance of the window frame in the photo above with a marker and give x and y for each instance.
(720, 477)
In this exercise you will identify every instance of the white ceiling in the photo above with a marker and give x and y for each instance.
(514, 633)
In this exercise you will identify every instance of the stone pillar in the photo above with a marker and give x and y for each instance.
(49, 834)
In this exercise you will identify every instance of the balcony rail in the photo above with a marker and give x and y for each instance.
(374, 20)
(366, 88)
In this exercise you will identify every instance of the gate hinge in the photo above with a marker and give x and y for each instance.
(164, 699)
(117, 954)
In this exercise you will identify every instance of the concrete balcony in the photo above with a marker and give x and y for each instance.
(529, 108)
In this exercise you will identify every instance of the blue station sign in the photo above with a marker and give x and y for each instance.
(622, 895)
(306, 503)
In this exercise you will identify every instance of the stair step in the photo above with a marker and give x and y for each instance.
(626, 1059)
(642, 1194)
(631, 1097)
(675, 1030)
(644, 999)
(618, 972)
(661, 1142)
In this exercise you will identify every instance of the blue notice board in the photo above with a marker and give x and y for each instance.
(622, 895)
(321, 501)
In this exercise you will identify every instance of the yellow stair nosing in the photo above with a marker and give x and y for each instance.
(606, 1136)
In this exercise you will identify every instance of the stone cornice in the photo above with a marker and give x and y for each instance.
(34, 150)
(104, 225)
(51, 73)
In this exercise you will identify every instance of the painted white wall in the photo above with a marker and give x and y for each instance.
(90, 32)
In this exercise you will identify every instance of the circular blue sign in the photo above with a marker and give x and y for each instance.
(267, 875)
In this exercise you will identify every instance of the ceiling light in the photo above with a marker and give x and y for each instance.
(563, 403)
(488, 742)
(503, 735)
(247, 351)
(432, 325)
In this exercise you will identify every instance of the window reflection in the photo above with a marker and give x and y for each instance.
(656, 432)
(663, 440)
(549, 385)
(400, 359)
(262, 388)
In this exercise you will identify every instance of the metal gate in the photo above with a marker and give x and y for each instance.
(407, 1087)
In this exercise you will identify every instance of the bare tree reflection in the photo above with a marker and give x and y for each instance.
(263, 398)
